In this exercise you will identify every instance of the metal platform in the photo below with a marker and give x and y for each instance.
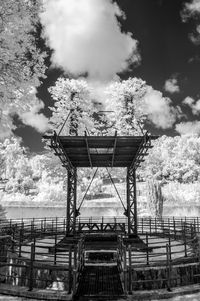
(101, 282)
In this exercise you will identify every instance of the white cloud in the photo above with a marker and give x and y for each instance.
(188, 101)
(86, 37)
(188, 128)
(35, 119)
(192, 10)
(171, 86)
(195, 106)
(159, 109)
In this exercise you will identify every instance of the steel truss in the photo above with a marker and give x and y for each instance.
(72, 211)
(131, 201)
(131, 211)
(71, 200)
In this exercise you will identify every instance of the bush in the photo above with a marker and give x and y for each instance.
(181, 193)
(50, 192)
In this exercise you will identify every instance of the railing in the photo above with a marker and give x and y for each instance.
(31, 253)
(79, 265)
(170, 256)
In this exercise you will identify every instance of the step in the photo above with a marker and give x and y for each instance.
(100, 282)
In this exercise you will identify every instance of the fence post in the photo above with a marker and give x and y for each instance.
(20, 241)
(10, 224)
(31, 266)
(125, 271)
(147, 243)
(174, 228)
(170, 255)
(150, 225)
(168, 268)
(32, 226)
(55, 249)
(192, 232)
(142, 226)
(52, 226)
(162, 225)
(13, 239)
(129, 271)
(45, 224)
(70, 270)
(64, 226)
(185, 241)
(75, 270)
(155, 225)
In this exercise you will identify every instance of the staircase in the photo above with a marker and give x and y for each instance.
(99, 283)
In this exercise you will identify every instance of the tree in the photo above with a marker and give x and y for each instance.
(125, 103)
(21, 60)
(11, 152)
(155, 198)
(73, 101)
(174, 159)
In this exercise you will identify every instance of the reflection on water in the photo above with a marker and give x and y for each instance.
(94, 208)
(41, 212)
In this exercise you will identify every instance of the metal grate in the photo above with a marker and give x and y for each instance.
(100, 281)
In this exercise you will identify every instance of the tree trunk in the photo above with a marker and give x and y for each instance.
(155, 198)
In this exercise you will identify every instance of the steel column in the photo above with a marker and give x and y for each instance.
(131, 201)
(71, 200)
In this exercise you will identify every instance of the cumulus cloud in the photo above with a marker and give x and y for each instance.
(188, 128)
(35, 119)
(191, 10)
(86, 37)
(159, 109)
(195, 106)
(171, 85)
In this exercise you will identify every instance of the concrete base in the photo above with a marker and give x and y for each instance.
(61, 296)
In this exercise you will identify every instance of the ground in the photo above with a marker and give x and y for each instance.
(193, 297)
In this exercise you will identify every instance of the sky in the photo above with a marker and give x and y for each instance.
(160, 39)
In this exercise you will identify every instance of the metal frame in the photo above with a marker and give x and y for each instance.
(71, 201)
(88, 150)
(142, 151)
(60, 152)
(131, 210)
(114, 149)
(131, 201)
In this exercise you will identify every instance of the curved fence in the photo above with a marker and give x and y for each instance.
(37, 253)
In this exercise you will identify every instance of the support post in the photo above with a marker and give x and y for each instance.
(71, 201)
(131, 201)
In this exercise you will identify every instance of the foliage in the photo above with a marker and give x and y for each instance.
(50, 192)
(2, 214)
(21, 60)
(174, 159)
(85, 176)
(15, 198)
(181, 193)
(73, 99)
(126, 106)
(47, 164)
(11, 152)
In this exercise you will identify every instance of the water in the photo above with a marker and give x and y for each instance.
(41, 212)
(34, 212)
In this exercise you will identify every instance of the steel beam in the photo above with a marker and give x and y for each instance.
(88, 150)
(71, 201)
(114, 149)
(131, 201)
